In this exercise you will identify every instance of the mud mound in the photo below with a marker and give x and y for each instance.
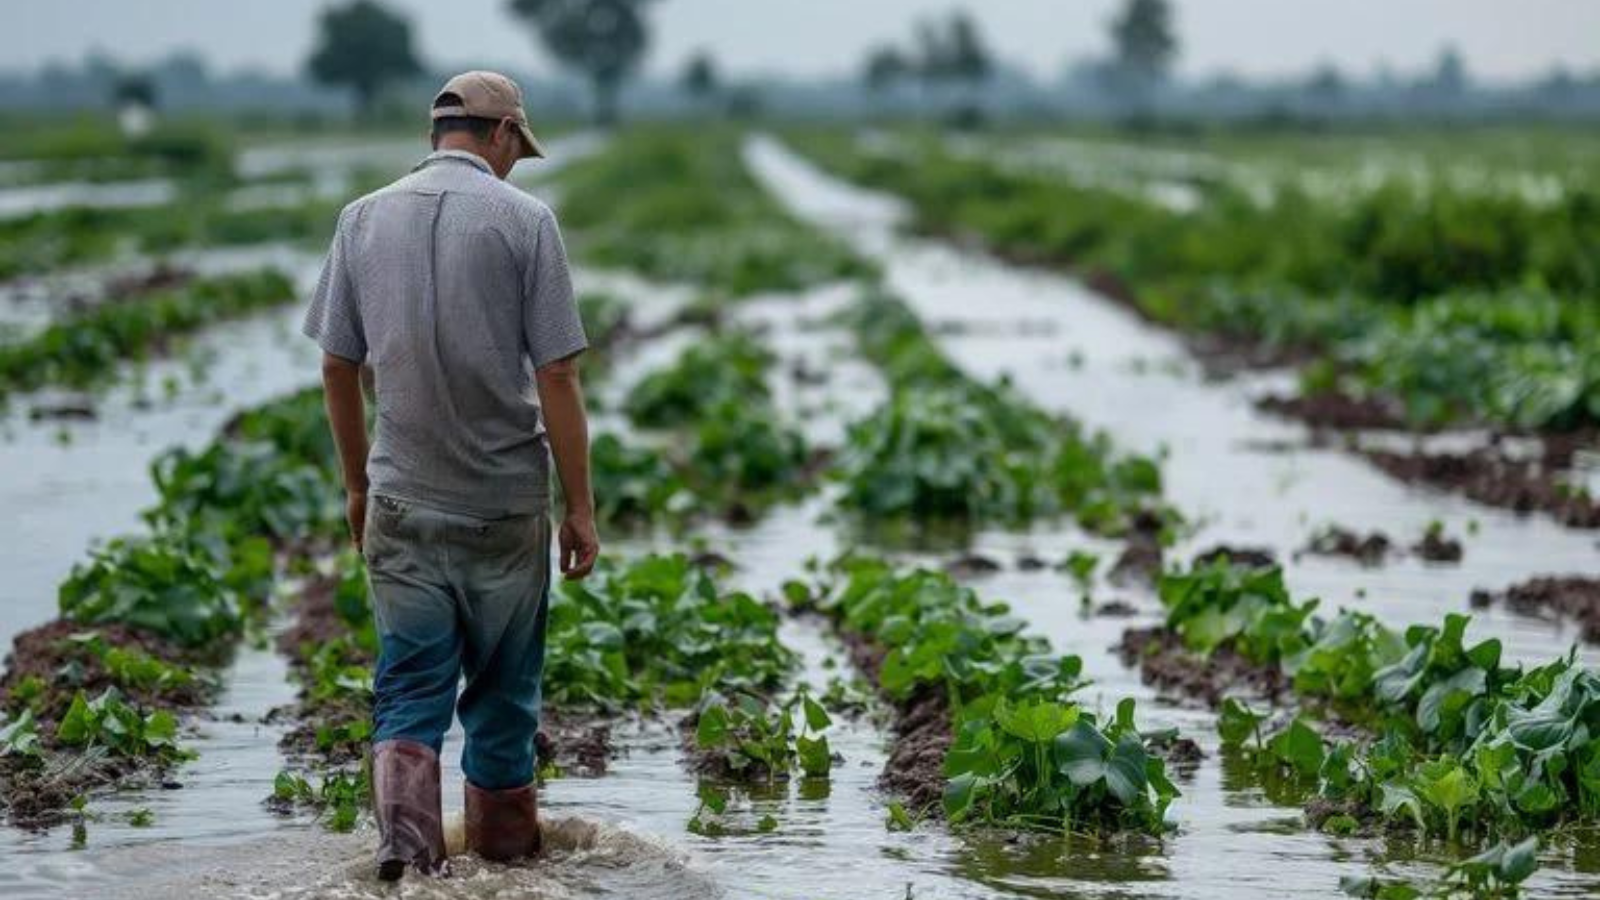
(1489, 475)
(1336, 411)
(1575, 598)
(1165, 663)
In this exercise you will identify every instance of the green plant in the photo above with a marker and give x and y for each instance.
(747, 740)
(155, 583)
(106, 721)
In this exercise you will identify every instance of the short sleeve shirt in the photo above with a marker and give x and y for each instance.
(453, 285)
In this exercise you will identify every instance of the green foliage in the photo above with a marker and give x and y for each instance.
(707, 375)
(747, 739)
(338, 798)
(156, 583)
(1461, 304)
(634, 485)
(107, 721)
(735, 449)
(87, 348)
(678, 205)
(946, 446)
(1466, 745)
(1023, 753)
(1495, 874)
(364, 46)
(656, 630)
(19, 736)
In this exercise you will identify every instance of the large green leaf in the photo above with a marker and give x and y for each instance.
(1125, 770)
(1082, 754)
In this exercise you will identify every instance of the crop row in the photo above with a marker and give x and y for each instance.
(946, 446)
(679, 206)
(1463, 743)
(148, 620)
(1451, 305)
(88, 347)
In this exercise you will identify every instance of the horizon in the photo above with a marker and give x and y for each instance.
(1362, 38)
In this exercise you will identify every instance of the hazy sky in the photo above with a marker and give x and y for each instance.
(1501, 38)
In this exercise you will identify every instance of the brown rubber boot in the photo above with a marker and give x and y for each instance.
(503, 825)
(405, 794)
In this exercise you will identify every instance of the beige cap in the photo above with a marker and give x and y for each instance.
(488, 95)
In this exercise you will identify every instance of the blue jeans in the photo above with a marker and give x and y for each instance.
(455, 594)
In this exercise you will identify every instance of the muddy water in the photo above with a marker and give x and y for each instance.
(1248, 479)
(1233, 841)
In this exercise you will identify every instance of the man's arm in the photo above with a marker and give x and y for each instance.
(347, 417)
(567, 425)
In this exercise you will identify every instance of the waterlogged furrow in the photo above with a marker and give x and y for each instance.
(948, 448)
(88, 348)
(678, 206)
(1405, 313)
(92, 700)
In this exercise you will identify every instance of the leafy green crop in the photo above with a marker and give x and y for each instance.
(87, 348)
(946, 446)
(746, 739)
(106, 721)
(679, 206)
(1466, 744)
(155, 583)
(1461, 305)
(1024, 754)
(656, 630)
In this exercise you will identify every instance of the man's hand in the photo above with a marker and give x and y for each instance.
(355, 512)
(579, 546)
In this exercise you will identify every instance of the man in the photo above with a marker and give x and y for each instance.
(452, 285)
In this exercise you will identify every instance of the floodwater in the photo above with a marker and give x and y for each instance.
(1248, 480)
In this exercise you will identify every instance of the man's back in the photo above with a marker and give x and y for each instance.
(453, 285)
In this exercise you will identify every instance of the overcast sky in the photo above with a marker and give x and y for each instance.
(1501, 38)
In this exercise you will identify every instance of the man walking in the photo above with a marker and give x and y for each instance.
(453, 286)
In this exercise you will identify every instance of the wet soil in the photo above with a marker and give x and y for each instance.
(1437, 547)
(1249, 557)
(1141, 558)
(44, 671)
(1166, 664)
(922, 732)
(1337, 411)
(1370, 549)
(1490, 475)
(1574, 598)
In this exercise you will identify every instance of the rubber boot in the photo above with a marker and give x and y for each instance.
(503, 825)
(405, 794)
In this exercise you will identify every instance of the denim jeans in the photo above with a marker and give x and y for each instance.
(454, 594)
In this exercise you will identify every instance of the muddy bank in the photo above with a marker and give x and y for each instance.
(1335, 411)
(47, 668)
(1573, 598)
(1166, 664)
(1492, 476)
(922, 732)
(1370, 549)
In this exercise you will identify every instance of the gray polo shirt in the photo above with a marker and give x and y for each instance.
(454, 286)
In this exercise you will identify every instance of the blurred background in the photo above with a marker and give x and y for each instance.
(1237, 60)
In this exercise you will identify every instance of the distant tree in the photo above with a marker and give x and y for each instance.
(1449, 73)
(884, 67)
(603, 39)
(1326, 84)
(700, 79)
(1145, 43)
(134, 89)
(363, 46)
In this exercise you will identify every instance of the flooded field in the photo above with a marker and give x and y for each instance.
(1066, 352)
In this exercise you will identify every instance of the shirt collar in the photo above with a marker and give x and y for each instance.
(466, 156)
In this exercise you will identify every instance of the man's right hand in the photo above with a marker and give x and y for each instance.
(355, 512)
(579, 545)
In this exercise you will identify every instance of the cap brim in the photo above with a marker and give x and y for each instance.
(534, 149)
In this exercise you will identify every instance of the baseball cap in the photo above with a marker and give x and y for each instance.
(487, 95)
